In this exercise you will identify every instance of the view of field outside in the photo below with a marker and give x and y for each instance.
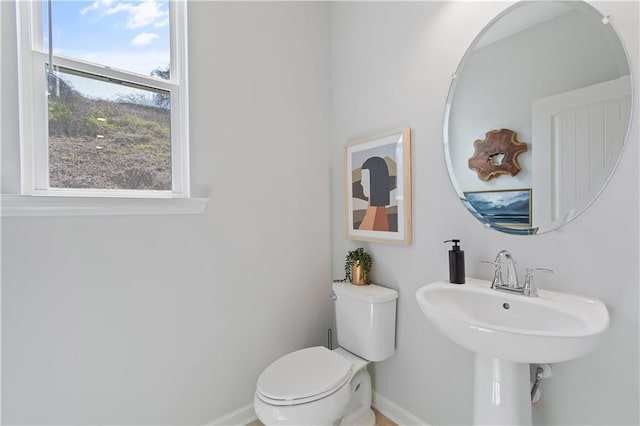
(102, 134)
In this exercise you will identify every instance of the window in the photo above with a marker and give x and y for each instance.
(109, 118)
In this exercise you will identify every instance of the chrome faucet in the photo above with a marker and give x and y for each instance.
(506, 279)
(504, 257)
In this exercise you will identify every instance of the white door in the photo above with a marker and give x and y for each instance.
(576, 140)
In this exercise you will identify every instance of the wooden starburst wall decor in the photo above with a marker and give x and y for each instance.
(497, 154)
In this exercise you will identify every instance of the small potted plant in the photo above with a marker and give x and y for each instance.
(357, 266)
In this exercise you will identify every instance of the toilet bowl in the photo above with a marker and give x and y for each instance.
(315, 386)
(318, 386)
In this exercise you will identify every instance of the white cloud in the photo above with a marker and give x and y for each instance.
(141, 14)
(143, 39)
(161, 23)
(98, 4)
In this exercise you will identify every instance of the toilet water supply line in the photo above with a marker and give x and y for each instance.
(333, 296)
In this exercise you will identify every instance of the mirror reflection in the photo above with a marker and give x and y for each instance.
(551, 75)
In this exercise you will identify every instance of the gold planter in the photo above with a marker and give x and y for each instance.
(358, 275)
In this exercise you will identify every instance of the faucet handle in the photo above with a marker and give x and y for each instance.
(529, 288)
(532, 270)
(497, 276)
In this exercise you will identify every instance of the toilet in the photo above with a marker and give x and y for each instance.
(318, 386)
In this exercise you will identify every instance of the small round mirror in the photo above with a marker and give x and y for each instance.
(537, 115)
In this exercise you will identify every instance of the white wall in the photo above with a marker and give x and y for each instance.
(392, 66)
(170, 319)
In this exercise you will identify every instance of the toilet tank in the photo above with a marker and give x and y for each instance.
(366, 319)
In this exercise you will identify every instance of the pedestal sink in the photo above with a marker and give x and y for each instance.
(508, 332)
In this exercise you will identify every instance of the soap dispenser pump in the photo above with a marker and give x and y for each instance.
(456, 263)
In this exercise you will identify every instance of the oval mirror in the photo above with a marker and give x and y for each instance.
(537, 115)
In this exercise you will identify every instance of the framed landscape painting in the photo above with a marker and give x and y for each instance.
(378, 188)
(510, 207)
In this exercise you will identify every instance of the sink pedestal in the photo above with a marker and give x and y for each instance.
(501, 392)
(507, 332)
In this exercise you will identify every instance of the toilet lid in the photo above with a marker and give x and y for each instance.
(304, 374)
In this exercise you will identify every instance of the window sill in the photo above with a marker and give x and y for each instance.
(26, 205)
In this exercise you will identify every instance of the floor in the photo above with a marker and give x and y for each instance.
(380, 420)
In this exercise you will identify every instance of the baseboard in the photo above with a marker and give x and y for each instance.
(394, 412)
(240, 417)
(245, 415)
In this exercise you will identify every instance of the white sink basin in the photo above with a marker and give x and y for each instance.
(550, 328)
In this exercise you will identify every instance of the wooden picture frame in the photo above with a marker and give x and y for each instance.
(377, 176)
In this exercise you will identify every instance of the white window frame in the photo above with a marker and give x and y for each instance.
(34, 152)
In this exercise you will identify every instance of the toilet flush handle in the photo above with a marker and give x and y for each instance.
(334, 296)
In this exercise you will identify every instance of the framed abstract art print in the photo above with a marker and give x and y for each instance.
(378, 188)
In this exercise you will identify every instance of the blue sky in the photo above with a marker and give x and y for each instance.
(131, 35)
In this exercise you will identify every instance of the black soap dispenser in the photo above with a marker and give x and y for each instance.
(456, 263)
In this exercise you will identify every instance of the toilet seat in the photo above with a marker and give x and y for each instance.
(303, 376)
